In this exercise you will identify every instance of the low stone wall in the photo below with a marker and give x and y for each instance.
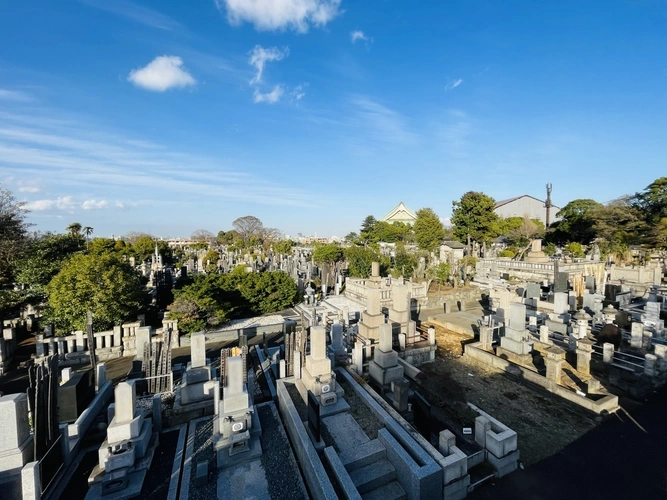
(471, 296)
(232, 335)
(607, 403)
(311, 467)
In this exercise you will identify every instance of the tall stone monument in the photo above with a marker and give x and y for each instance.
(236, 430)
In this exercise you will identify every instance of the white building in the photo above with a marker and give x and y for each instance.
(526, 205)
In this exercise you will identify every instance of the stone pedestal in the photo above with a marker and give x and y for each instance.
(126, 454)
(554, 362)
(584, 353)
(316, 375)
(384, 367)
(16, 442)
(237, 431)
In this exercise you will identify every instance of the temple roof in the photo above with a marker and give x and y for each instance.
(400, 213)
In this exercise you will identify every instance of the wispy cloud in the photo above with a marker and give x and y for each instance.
(135, 12)
(14, 95)
(162, 73)
(269, 97)
(69, 156)
(360, 36)
(259, 56)
(454, 84)
(381, 122)
(299, 92)
(271, 15)
(454, 133)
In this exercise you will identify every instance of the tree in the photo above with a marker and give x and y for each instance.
(212, 257)
(519, 231)
(215, 298)
(248, 227)
(360, 261)
(74, 228)
(103, 284)
(405, 263)
(328, 254)
(617, 225)
(576, 222)
(133, 236)
(429, 231)
(367, 227)
(284, 247)
(474, 219)
(443, 273)
(226, 238)
(13, 235)
(203, 235)
(42, 260)
(575, 249)
(652, 201)
(351, 237)
(144, 247)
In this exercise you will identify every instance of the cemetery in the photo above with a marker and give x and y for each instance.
(344, 395)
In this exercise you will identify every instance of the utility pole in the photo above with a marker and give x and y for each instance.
(547, 204)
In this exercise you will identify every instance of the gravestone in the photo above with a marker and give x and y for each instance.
(561, 283)
(75, 395)
(533, 290)
(422, 415)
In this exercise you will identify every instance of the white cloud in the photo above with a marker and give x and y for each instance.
(270, 15)
(299, 92)
(453, 84)
(63, 203)
(259, 56)
(270, 97)
(94, 204)
(162, 73)
(357, 35)
(14, 95)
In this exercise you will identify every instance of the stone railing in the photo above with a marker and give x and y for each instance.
(109, 344)
(357, 289)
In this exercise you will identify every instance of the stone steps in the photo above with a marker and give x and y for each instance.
(373, 476)
(389, 491)
(362, 455)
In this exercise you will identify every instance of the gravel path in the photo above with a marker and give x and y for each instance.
(280, 467)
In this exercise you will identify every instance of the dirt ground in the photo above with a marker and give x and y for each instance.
(545, 423)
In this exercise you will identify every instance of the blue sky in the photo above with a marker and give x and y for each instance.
(169, 116)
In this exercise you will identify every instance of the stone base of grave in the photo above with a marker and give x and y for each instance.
(339, 407)
(183, 413)
(325, 399)
(457, 490)
(384, 376)
(504, 465)
(251, 450)
(121, 483)
(519, 359)
(12, 461)
(418, 356)
(138, 450)
(194, 393)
